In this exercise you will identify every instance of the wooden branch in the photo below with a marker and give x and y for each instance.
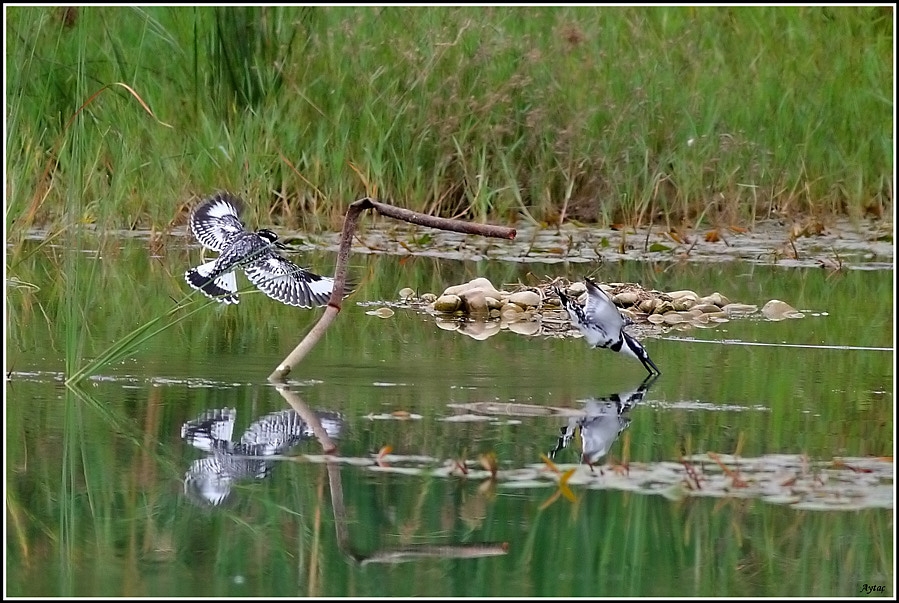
(343, 255)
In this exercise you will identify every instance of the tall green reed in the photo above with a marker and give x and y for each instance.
(610, 114)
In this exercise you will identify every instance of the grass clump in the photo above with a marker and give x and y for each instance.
(597, 114)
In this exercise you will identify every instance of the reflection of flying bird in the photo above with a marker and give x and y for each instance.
(603, 325)
(209, 479)
(604, 420)
(216, 224)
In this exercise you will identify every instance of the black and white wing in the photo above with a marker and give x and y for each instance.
(601, 310)
(275, 433)
(282, 280)
(212, 430)
(222, 288)
(216, 221)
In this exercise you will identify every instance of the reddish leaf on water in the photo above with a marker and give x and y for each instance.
(385, 450)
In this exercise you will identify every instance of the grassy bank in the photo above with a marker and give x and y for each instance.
(501, 114)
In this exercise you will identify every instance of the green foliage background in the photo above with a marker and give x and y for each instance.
(598, 114)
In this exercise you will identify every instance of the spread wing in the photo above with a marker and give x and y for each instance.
(282, 280)
(601, 310)
(216, 221)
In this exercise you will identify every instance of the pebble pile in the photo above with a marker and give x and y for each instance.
(533, 310)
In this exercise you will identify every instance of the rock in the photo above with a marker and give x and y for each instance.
(778, 310)
(683, 303)
(507, 307)
(626, 298)
(493, 303)
(575, 289)
(706, 308)
(525, 299)
(475, 301)
(665, 307)
(649, 305)
(683, 294)
(673, 318)
(718, 299)
(447, 303)
(407, 293)
(479, 283)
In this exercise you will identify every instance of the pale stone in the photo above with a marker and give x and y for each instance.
(626, 298)
(718, 299)
(683, 293)
(493, 303)
(778, 310)
(525, 299)
(475, 301)
(447, 303)
(683, 303)
(575, 289)
(648, 305)
(706, 308)
(479, 283)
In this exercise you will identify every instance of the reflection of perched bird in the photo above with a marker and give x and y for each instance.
(603, 326)
(209, 479)
(217, 226)
(603, 422)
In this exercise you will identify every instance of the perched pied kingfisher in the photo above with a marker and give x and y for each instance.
(216, 224)
(603, 326)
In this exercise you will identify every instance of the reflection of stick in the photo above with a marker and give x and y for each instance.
(440, 551)
(311, 419)
(343, 254)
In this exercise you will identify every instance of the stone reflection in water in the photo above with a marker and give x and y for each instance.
(604, 420)
(208, 481)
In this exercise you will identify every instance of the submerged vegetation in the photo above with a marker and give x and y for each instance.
(120, 117)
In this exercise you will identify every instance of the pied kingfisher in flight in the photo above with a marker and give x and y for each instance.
(216, 224)
(603, 325)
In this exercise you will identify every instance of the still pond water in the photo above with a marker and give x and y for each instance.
(758, 464)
